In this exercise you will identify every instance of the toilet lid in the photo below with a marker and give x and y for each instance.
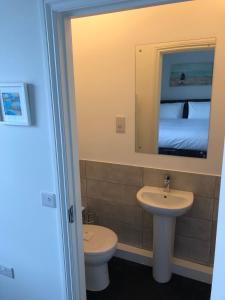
(98, 239)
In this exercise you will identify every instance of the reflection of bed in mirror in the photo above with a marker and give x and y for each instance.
(183, 128)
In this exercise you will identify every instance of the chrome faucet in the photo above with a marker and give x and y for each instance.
(166, 183)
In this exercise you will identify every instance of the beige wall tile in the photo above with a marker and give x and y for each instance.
(83, 187)
(194, 228)
(217, 187)
(131, 215)
(147, 239)
(200, 185)
(114, 173)
(126, 234)
(202, 208)
(213, 242)
(215, 209)
(104, 190)
(84, 201)
(192, 249)
(147, 221)
(129, 195)
(129, 235)
(97, 208)
(94, 203)
(154, 177)
(83, 192)
(82, 169)
(111, 195)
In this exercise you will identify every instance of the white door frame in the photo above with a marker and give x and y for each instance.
(56, 16)
(218, 284)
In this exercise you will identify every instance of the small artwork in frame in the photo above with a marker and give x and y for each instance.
(14, 104)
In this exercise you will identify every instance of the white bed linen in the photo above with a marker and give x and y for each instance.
(190, 134)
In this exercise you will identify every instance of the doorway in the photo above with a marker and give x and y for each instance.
(62, 88)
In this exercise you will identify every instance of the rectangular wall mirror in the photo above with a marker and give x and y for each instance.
(173, 98)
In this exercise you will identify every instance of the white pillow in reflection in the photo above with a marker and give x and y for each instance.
(198, 110)
(171, 110)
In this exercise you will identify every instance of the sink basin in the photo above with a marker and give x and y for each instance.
(173, 203)
(165, 207)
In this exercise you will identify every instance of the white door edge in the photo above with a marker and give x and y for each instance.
(218, 284)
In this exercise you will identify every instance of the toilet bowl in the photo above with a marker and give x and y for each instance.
(99, 247)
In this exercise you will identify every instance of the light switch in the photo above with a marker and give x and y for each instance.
(48, 199)
(120, 124)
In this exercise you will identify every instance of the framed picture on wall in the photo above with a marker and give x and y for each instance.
(14, 104)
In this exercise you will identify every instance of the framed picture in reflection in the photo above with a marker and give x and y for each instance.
(187, 74)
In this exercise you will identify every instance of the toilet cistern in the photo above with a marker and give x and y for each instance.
(166, 183)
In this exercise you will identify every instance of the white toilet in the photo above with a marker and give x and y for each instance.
(99, 247)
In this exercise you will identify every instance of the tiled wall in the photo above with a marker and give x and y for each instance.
(110, 190)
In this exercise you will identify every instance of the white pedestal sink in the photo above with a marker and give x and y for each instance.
(165, 207)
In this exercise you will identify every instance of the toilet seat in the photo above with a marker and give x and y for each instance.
(99, 247)
(98, 239)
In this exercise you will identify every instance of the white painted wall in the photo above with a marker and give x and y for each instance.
(218, 287)
(104, 50)
(184, 92)
(30, 236)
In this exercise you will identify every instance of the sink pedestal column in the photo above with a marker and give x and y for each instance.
(163, 246)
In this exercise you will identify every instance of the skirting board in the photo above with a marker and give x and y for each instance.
(180, 267)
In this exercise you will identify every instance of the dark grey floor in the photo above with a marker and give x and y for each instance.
(131, 281)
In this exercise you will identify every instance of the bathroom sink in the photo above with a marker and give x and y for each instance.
(156, 201)
(165, 205)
